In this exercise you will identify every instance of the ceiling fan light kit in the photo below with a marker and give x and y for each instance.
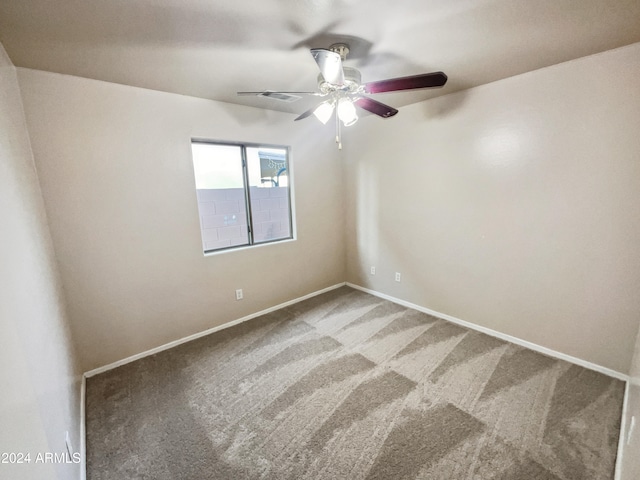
(344, 88)
(324, 111)
(347, 112)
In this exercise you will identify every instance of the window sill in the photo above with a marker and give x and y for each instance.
(248, 247)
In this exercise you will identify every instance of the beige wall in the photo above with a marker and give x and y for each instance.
(514, 205)
(117, 177)
(630, 458)
(39, 377)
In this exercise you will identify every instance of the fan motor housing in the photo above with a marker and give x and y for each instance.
(352, 80)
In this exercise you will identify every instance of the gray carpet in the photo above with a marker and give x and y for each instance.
(348, 386)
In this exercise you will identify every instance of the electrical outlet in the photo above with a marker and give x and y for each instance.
(632, 425)
(67, 441)
(373, 270)
(398, 276)
(239, 294)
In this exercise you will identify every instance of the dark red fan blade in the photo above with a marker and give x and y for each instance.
(380, 109)
(426, 80)
(306, 114)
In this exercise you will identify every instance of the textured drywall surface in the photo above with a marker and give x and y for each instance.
(117, 178)
(514, 205)
(40, 397)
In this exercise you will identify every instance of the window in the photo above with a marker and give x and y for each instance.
(243, 194)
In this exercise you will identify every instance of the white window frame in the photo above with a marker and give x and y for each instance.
(247, 194)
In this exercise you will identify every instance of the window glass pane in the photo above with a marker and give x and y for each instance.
(269, 193)
(221, 196)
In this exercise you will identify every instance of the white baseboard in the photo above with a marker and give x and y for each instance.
(500, 335)
(189, 338)
(622, 440)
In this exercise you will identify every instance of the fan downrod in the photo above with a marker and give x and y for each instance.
(341, 49)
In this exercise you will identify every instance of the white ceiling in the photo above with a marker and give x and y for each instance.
(213, 48)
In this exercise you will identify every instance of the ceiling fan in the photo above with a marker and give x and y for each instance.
(343, 88)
